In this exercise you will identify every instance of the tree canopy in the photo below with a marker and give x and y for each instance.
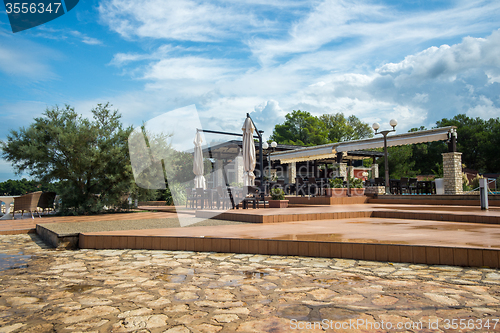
(300, 128)
(89, 158)
(342, 129)
(304, 129)
(23, 186)
(478, 140)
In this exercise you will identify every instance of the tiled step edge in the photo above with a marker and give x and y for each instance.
(418, 254)
(258, 218)
(444, 217)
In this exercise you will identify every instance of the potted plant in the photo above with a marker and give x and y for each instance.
(356, 186)
(339, 189)
(336, 188)
(278, 199)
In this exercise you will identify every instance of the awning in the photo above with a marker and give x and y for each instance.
(331, 150)
(306, 154)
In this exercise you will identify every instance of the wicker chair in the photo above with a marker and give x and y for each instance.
(27, 202)
(46, 201)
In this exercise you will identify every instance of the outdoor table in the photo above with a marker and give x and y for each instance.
(7, 199)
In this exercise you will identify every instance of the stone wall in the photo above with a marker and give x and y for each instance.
(374, 171)
(452, 173)
(370, 190)
(342, 171)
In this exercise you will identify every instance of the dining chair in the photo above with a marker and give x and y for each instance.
(223, 198)
(27, 202)
(312, 187)
(200, 198)
(190, 197)
(300, 187)
(404, 186)
(412, 185)
(46, 201)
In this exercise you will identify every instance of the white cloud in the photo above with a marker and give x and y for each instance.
(445, 62)
(91, 41)
(361, 27)
(485, 109)
(179, 20)
(193, 68)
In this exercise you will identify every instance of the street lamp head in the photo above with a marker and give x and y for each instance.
(375, 126)
(393, 123)
(265, 145)
(274, 144)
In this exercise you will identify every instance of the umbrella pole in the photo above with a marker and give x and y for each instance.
(227, 187)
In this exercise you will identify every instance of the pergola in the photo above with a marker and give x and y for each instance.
(340, 150)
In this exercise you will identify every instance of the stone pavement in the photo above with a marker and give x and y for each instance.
(168, 291)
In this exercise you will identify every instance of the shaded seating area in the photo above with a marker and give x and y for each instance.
(226, 197)
(252, 196)
(408, 186)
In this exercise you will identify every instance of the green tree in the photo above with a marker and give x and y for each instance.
(428, 156)
(478, 141)
(23, 186)
(88, 157)
(341, 129)
(401, 162)
(300, 128)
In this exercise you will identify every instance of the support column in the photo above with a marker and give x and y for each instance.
(374, 171)
(351, 171)
(452, 173)
(292, 172)
(219, 178)
(342, 170)
(239, 169)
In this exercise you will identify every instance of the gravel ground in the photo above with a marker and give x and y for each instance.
(73, 228)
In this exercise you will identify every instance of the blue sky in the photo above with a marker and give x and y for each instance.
(416, 61)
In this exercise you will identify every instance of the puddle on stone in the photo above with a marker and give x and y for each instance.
(79, 288)
(13, 261)
(171, 278)
(326, 281)
(312, 237)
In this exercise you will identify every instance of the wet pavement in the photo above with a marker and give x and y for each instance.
(179, 291)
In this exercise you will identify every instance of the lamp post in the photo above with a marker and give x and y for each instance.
(265, 146)
(376, 126)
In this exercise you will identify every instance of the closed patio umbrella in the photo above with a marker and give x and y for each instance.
(199, 180)
(248, 153)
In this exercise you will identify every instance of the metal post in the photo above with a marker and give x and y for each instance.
(387, 187)
(483, 193)
(376, 127)
(261, 159)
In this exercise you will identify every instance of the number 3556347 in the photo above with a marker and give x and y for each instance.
(32, 7)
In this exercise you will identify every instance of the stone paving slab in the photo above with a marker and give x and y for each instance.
(179, 291)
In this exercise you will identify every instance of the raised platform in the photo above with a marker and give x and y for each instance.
(425, 242)
(435, 199)
(310, 213)
(295, 200)
(368, 232)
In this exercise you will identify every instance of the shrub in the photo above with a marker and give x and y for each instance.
(336, 183)
(277, 194)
